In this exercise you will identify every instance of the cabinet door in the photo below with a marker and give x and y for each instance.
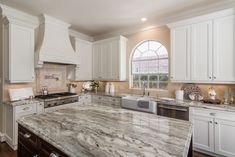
(115, 60)
(203, 133)
(21, 54)
(180, 54)
(96, 61)
(106, 61)
(223, 68)
(201, 57)
(225, 137)
(84, 50)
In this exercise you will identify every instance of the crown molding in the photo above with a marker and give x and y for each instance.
(13, 15)
(79, 35)
(174, 17)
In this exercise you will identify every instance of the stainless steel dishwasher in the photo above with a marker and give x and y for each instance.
(173, 111)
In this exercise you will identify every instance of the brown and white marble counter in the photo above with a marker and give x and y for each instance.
(102, 131)
(22, 102)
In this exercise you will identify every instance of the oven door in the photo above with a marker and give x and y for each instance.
(173, 111)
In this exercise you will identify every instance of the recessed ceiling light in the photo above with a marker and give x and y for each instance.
(143, 19)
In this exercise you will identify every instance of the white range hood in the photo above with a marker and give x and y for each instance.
(54, 43)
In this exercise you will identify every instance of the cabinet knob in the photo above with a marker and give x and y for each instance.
(27, 135)
(209, 77)
(54, 155)
(214, 77)
(210, 121)
(216, 122)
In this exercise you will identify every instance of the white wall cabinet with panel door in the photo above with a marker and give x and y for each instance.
(224, 55)
(18, 45)
(109, 59)
(209, 45)
(84, 71)
(201, 51)
(213, 131)
(180, 53)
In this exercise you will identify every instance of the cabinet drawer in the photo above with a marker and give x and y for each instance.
(25, 110)
(27, 138)
(213, 113)
(47, 150)
(115, 100)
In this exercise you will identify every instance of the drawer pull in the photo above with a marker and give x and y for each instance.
(26, 108)
(212, 114)
(27, 135)
(54, 155)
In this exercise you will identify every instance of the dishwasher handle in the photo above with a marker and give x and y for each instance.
(173, 108)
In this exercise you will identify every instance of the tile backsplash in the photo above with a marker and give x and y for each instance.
(58, 83)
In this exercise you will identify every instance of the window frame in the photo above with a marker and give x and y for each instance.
(131, 75)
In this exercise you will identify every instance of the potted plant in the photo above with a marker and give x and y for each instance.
(95, 85)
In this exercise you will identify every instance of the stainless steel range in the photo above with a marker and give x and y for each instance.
(57, 99)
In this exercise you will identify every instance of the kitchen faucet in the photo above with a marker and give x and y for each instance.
(144, 89)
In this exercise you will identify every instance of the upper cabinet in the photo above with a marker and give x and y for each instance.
(83, 71)
(180, 53)
(18, 48)
(202, 49)
(109, 59)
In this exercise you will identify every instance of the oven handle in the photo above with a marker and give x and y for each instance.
(173, 108)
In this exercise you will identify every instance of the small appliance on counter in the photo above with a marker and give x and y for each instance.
(111, 88)
(179, 95)
(107, 88)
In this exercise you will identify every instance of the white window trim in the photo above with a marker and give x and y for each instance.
(130, 68)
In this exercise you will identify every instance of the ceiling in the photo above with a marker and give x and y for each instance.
(98, 17)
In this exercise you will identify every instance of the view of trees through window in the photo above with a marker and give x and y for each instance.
(150, 65)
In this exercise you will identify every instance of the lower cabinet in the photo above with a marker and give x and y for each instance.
(225, 137)
(107, 100)
(84, 99)
(30, 145)
(213, 131)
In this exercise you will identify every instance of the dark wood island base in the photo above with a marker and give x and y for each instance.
(30, 145)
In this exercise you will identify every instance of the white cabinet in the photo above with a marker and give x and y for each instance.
(224, 55)
(180, 54)
(84, 70)
(109, 59)
(202, 49)
(12, 114)
(201, 56)
(203, 135)
(224, 137)
(213, 131)
(84, 99)
(107, 100)
(18, 43)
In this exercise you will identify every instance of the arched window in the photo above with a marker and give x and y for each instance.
(149, 65)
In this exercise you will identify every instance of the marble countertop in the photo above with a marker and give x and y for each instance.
(102, 131)
(22, 102)
(120, 95)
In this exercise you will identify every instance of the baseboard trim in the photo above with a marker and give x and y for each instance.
(207, 153)
(2, 137)
(10, 143)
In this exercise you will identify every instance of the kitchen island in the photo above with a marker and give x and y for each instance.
(102, 131)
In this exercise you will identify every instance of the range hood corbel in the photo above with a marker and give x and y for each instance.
(54, 43)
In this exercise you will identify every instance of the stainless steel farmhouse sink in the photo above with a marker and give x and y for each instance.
(144, 104)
